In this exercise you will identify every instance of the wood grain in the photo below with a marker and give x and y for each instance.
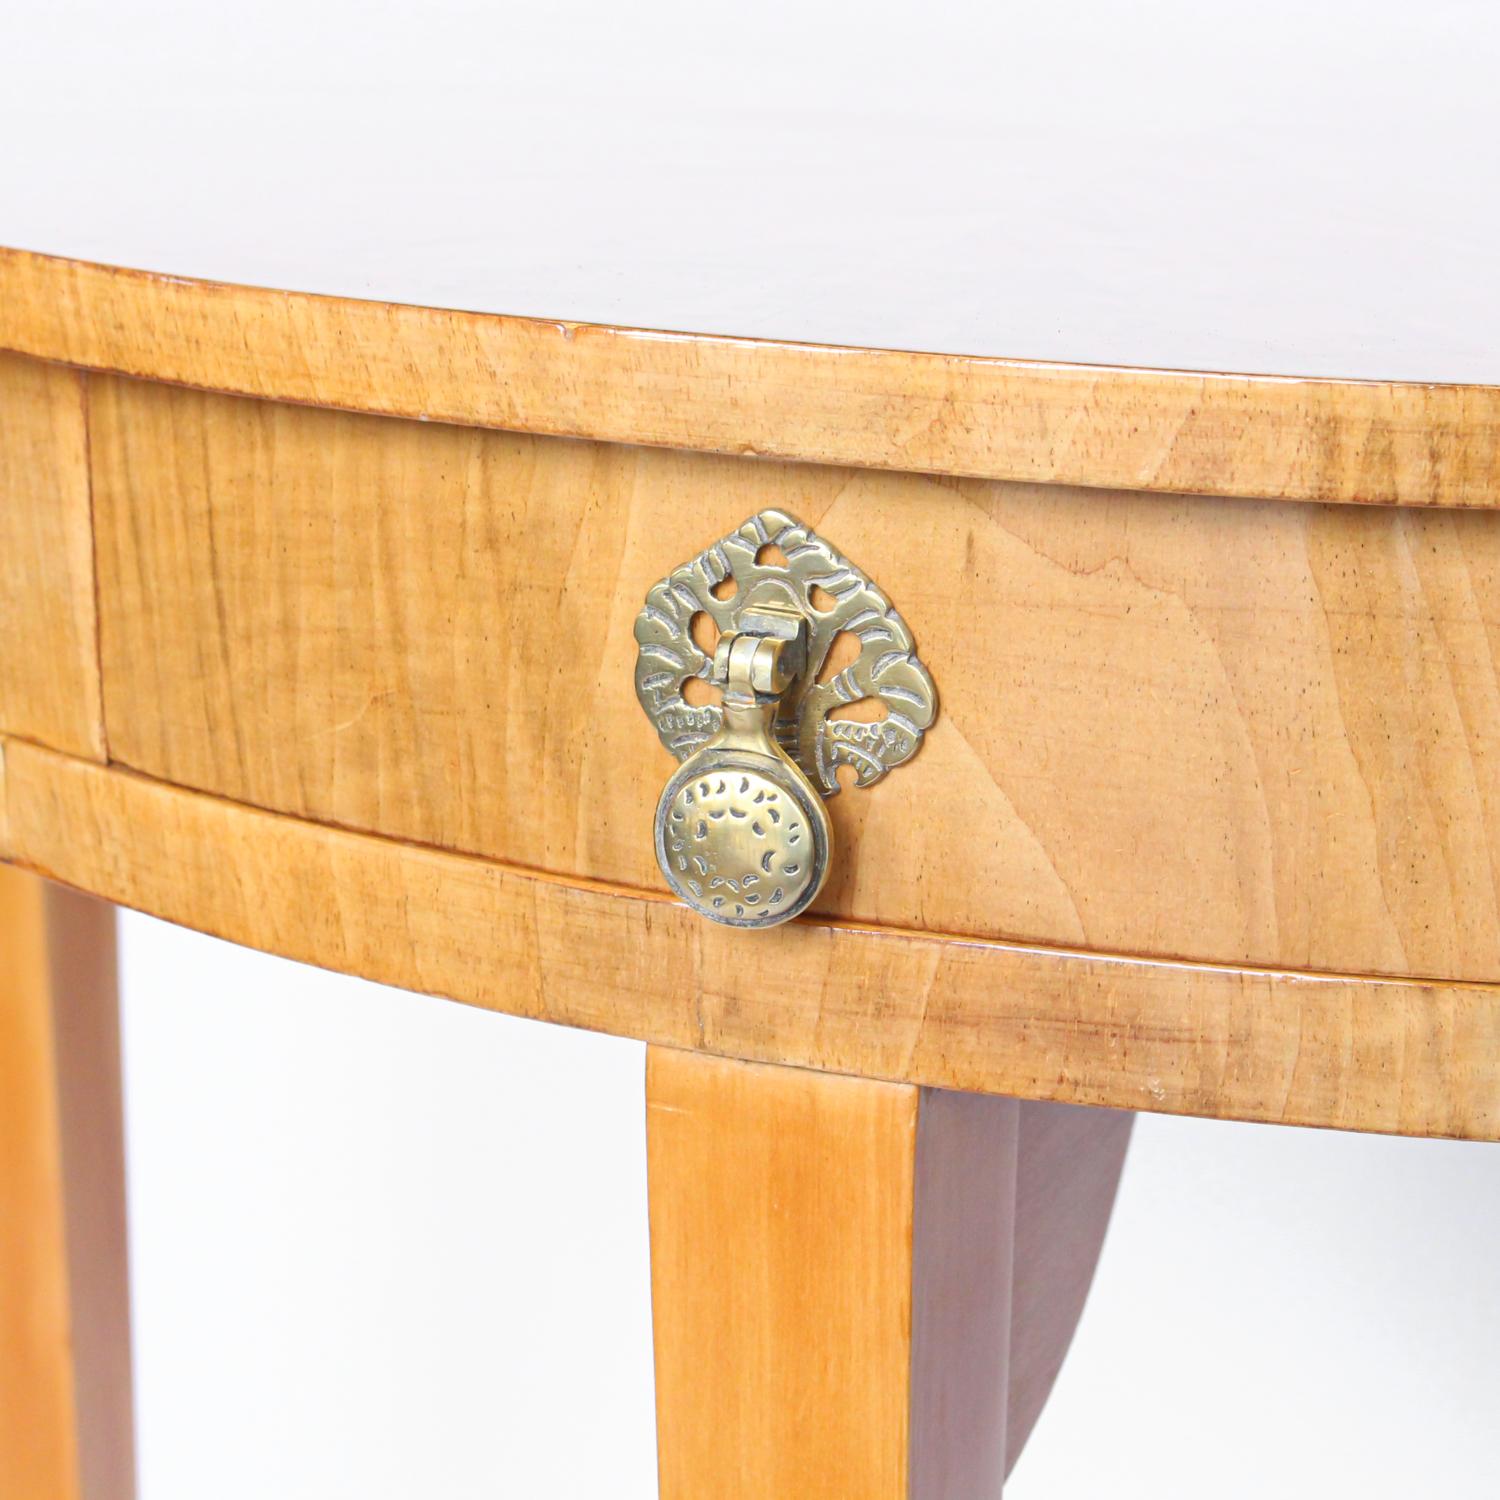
(1004, 419)
(1238, 731)
(830, 1282)
(781, 1244)
(38, 1421)
(1414, 1058)
(49, 672)
(65, 1404)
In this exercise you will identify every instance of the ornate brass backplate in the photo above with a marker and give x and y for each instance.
(741, 832)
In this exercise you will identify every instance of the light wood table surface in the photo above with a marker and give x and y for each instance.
(321, 544)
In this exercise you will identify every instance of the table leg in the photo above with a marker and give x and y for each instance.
(1069, 1166)
(65, 1396)
(833, 1262)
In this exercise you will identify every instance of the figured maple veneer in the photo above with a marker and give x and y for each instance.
(1358, 1054)
(49, 673)
(1237, 731)
(1385, 1055)
(1362, 441)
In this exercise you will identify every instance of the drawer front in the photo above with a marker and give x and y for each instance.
(49, 671)
(1227, 730)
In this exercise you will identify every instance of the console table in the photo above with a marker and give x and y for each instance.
(328, 626)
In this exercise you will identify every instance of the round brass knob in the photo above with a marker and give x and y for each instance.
(742, 837)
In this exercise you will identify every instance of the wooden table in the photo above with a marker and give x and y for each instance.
(317, 618)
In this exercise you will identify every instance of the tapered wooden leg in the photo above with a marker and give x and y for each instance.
(1068, 1167)
(65, 1404)
(834, 1263)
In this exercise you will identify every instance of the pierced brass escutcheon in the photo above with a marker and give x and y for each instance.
(741, 832)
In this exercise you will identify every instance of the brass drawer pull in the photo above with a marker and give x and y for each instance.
(741, 831)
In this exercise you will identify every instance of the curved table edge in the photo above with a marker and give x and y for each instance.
(1179, 432)
(1399, 1056)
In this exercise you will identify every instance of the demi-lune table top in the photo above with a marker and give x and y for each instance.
(1274, 189)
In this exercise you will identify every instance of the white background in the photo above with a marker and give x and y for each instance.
(387, 1246)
